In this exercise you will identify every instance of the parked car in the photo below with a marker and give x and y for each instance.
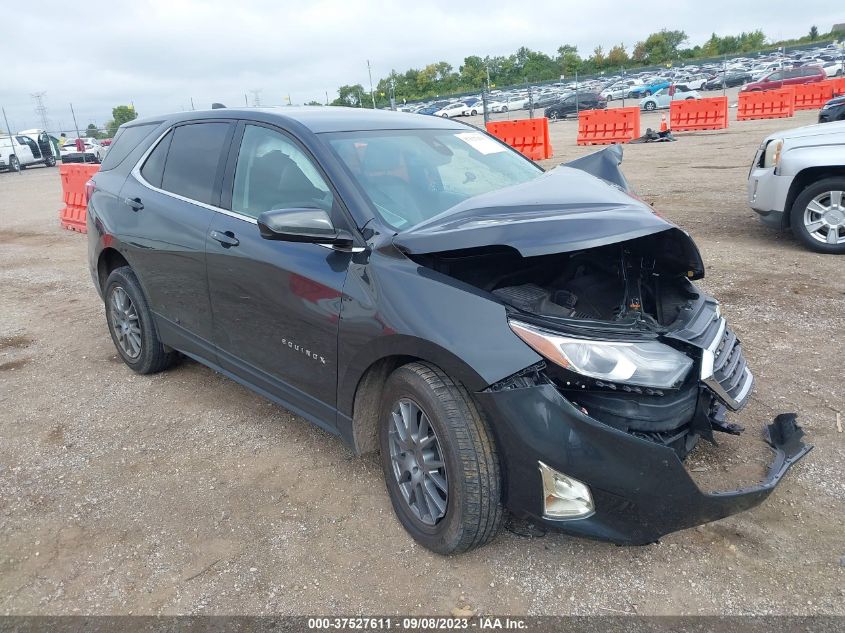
(797, 181)
(497, 106)
(473, 107)
(425, 292)
(20, 151)
(620, 89)
(833, 110)
(452, 110)
(92, 151)
(434, 107)
(663, 97)
(833, 68)
(574, 103)
(727, 79)
(649, 89)
(787, 77)
(547, 99)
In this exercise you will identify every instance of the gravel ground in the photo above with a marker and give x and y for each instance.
(185, 493)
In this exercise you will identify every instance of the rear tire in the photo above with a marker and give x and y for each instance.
(458, 438)
(800, 215)
(131, 324)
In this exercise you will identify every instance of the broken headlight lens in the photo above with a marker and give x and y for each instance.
(643, 363)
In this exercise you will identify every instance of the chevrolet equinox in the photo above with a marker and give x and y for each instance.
(504, 337)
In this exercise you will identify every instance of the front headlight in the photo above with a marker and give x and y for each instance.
(643, 363)
(771, 157)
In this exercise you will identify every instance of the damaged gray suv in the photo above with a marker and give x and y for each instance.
(505, 338)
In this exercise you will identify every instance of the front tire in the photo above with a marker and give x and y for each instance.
(439, 461)
(650, 105)
(131, 324)
(14, 164)
(817, 217)
(51, 161)
(504, 108)
(553, 115)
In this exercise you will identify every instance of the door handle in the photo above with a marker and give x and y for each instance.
(134, 203)
(226, 238)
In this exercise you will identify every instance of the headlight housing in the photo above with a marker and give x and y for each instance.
(642, 363)
(771, 155)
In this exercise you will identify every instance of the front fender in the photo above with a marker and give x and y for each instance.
(395, 307)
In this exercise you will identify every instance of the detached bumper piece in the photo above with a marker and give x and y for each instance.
(640, 490)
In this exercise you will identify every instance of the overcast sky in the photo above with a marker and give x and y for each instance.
(161, 53)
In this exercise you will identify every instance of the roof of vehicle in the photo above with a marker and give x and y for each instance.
(319, 119)
(831, 133)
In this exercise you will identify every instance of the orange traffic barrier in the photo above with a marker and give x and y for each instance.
(813, 96)
(528, 136)
(768, 104)
(838, 86)
(698, 114)
(74, 177)
(603, 127)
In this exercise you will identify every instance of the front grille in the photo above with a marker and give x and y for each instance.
(724, 370)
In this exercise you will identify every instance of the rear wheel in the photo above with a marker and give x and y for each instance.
(439, 461)
(554, 115)
(818, 216)
(50, 161)
(504, 108)
(131, 324)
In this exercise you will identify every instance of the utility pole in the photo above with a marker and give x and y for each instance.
(372, 94)
(256, 97)
(41, 109)
(76, 126)
(327, 97)
(11, 139)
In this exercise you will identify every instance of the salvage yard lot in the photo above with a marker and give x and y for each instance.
(183, 492)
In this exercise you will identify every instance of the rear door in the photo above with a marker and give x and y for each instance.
(276, 304)
(168, 203)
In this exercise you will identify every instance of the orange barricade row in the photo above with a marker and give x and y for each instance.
(838, 86)
(813, 96)
(698, 114)
(528, 136)
(768, 104)
(74, 177)
(604, 127)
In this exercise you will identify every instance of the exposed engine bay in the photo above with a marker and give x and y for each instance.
(633, 289)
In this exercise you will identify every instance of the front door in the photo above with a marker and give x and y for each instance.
(276, 305)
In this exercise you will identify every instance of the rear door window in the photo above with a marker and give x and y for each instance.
(193, 161)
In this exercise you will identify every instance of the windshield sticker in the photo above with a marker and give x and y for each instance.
(481, 143)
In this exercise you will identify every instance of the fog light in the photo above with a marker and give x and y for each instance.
(564, 497)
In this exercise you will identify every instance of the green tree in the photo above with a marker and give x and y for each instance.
(92, 131)
(568, 59)
(121, 114)
(349, 96)
(660, 47)
(617, 57)
(312, 102)
(814, 33)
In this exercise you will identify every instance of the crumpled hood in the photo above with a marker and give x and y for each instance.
(563, 210)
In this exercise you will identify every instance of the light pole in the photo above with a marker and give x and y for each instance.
(372, 94)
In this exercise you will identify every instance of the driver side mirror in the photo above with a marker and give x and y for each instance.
(312, 226)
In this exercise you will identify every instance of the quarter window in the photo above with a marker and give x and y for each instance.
(273, 173)
(193, 160)
(153, 169)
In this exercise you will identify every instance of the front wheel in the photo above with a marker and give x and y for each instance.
(474, 112)
(439, 461)
(818, 216)
(553, 115)
(650, 105)
(504, 108)
(51, 161)
(131, 324)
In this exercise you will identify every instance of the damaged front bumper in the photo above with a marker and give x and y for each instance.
(640, 489)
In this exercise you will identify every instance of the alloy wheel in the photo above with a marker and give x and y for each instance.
(824, 218)
(418, 463)
(125, 323)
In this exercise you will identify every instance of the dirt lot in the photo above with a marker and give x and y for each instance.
(185, 493)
